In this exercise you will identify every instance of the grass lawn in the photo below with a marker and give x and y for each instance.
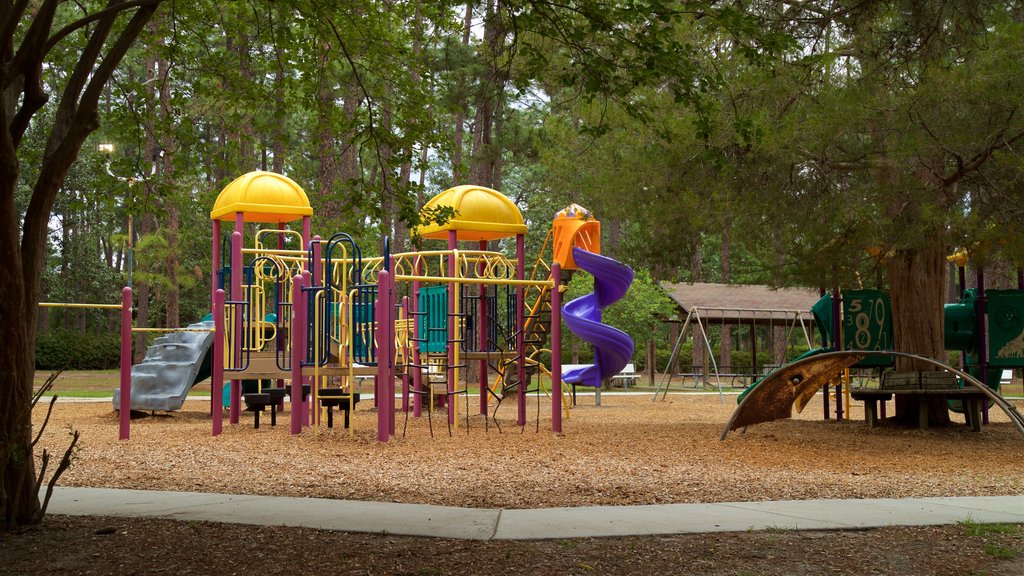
(93, 384)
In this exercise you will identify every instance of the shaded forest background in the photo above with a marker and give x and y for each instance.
(780, 143)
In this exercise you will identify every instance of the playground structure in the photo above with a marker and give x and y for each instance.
(318, 313)
(985, 326)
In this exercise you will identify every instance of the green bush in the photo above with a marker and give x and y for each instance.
(72, 350)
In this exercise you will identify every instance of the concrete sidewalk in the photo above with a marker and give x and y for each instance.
(498, 524)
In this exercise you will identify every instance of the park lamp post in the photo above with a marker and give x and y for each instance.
(107, 150)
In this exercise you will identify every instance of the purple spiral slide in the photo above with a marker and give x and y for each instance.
(613, 348)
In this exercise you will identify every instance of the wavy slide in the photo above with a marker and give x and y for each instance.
(613, 348)
(173, 365)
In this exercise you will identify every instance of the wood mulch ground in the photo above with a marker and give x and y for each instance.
(627, 451)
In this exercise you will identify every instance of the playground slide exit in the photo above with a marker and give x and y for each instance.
(172, 365)
(613, 348)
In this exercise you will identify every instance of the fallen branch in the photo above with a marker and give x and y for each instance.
(49, 411)
(46, 386)
(64, 463)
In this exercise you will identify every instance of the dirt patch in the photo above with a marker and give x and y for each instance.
(65, 545)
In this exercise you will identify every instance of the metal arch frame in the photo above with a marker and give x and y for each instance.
(1011, 412)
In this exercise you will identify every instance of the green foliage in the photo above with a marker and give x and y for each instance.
(70, 349)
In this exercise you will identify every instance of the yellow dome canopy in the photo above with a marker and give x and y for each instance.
(262, 197)
(481, 214)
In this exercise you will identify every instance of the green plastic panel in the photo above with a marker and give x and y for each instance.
(822, 312)
(433, 334)
(1005, 310)
(867, 324)
(960, 325)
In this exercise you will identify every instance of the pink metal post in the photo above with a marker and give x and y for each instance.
(317, 279)
(214, 285)
(453, 244)
(305, 235)
(405, 356)
(305, 403)
(236, 295)
(384, 388)
(217, 362)
(417, 374)
(124, 428)
(216, 260)
(556, 349)
(279, 339)
(390, 328)
(481, 327)
(298, 335)
(520, 324)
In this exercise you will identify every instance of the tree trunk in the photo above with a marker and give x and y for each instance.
(19, 503)
(327, 170)
(486, 159)
(458, 172)
(916, 284)
(726, 351)
(172, 313)
(698, 350)
(23, 241)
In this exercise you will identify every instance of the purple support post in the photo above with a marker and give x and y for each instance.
(520, 324)
(307, 321)
(405, 356)
(482, 322)
(305, 236)
(318, 265)
(236, 295)
(217, 363)
(417, 375)
(453, 244)
(279, 338)
(317, 279)
(214, 284)
(298, 335)
(982, 339)
(1020, 278)
(390, 333)
(381, 392)
(556, 349)
(124, 427)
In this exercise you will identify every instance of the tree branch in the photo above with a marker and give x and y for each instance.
(10, 24)
(30, 52)
(46, 386)
(63, 32)
(68, 106)
(135, 26)
(49, 411)
(371, 123)
(65, 462)
(27, 65)
(976, 162)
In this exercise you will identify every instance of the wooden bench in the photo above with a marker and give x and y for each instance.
(972, 400)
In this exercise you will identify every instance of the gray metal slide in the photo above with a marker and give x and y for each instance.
(172, 365)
